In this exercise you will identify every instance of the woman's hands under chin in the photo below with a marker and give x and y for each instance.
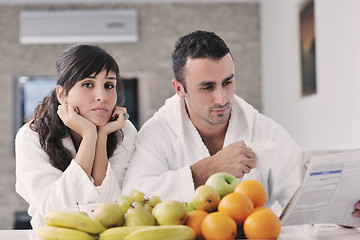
(114, 125)
(73, 120)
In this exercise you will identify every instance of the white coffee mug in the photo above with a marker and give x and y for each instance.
(264, 154)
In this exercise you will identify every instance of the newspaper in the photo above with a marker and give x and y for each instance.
(329, 190)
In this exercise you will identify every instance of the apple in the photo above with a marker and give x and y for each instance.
(189, 206)
(223, 182)
(206, 197)
(170, 212)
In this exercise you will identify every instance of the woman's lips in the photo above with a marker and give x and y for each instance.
(100, 109)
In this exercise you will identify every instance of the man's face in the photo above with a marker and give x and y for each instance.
(210, 86)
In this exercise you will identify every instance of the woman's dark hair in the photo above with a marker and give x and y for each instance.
(198, 44)
(76, 63)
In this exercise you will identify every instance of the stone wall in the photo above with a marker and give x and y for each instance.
(159, 27)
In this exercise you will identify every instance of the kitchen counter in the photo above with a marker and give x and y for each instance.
(299, 232)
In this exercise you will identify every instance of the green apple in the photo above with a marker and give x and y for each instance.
(109, 215)
(206, 197)
(223, 182)
(170, 212)
(189, 206)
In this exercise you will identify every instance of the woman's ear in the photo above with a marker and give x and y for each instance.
(60, 94)
(178, 88)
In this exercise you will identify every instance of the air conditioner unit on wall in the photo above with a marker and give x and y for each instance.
(78, 26)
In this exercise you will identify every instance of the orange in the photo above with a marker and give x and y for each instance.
(218, 226)
(262, 208)
(236, 205)
(254, 190)
(194, 221)
(262, 224)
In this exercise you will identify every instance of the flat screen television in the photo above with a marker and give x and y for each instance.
(30, 90)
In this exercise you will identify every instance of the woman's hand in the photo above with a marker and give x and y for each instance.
(73, 120)
(118, 123)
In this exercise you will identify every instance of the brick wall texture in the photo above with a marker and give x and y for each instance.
(160, 25)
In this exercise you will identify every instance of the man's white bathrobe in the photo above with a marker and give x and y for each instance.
(47, 189)
(168, 144)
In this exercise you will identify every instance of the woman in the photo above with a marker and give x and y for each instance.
(77, 147)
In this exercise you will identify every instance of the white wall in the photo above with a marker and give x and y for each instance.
(330, 118)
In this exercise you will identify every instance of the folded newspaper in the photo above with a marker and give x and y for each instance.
(329, 190)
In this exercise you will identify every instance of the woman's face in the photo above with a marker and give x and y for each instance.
(94, 97)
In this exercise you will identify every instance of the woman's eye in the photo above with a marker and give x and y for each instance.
(109, 86)
(87, 85)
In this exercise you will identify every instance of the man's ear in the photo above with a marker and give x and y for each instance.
(179, 88)
(60, 94)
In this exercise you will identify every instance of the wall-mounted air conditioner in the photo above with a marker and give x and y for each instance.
(78, 26)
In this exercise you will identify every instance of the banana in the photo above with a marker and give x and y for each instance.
(58, 233)
(73, 220)
(119, 233)
(165, 232)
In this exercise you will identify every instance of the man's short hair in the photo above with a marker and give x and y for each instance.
(198, 44)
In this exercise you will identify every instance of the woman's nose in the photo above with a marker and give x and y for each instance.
(101, 94)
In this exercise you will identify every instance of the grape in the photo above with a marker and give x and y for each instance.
(124, 204)
(153, 200)
(137, 195)
(125, 197)
(136, 204)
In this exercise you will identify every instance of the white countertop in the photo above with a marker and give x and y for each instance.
(299, 232)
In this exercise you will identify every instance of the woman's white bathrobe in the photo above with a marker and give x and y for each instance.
(47, 189)
(168, 144)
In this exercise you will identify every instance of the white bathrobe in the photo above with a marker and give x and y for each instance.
(168, 144)
(47, 189)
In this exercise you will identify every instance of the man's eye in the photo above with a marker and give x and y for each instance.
(227, 82)
(207, 88)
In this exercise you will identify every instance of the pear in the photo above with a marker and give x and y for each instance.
(139, 216)
(109, 215)
(206, 197)
(170, 212)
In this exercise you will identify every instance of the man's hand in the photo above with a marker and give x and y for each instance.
(73, 120)
(118, 123)
(236, 159)
(356, 212)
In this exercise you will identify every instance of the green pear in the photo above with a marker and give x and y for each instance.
(139, 216)
(224, 183)
(206, 197)
(170, 212)
(109, 215)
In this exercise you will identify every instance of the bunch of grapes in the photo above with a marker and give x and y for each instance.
(136, 198)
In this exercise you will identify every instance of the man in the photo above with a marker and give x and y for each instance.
(204, 128)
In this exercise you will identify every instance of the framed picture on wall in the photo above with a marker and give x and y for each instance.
(307, 46)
